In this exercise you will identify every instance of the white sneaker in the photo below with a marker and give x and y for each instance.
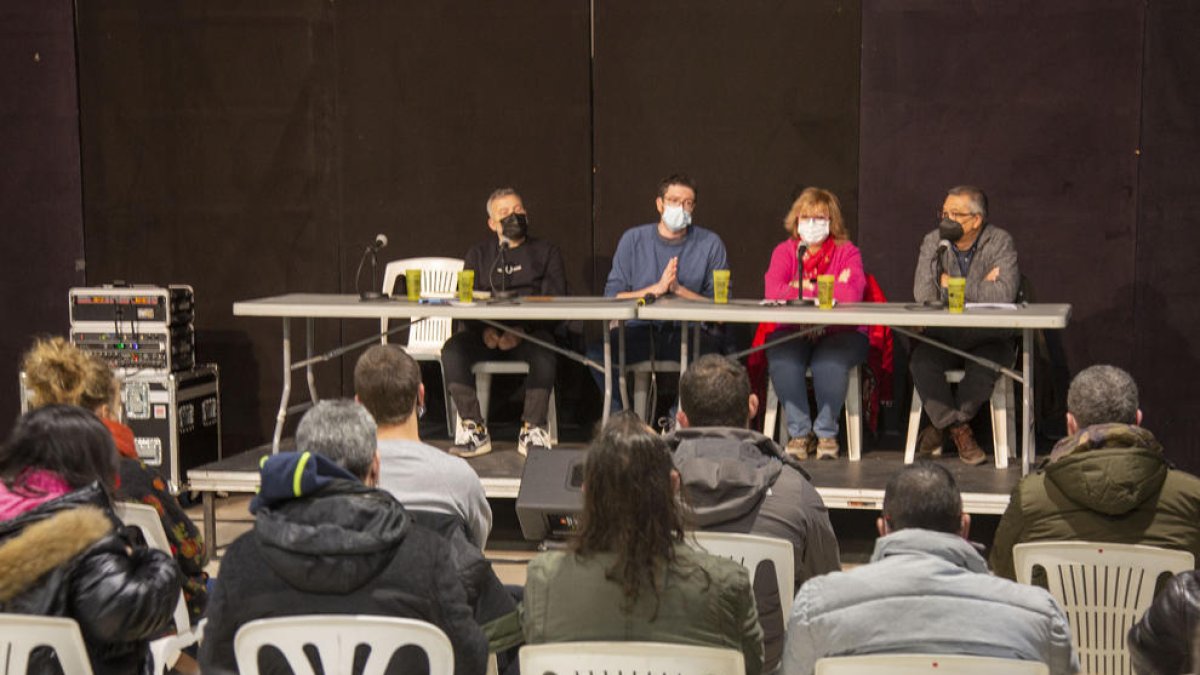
(471, 440)
(532, 437)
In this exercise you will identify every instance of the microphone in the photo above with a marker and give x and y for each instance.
(647, 299)
(374, 247)
(938, 270)
(502, 259)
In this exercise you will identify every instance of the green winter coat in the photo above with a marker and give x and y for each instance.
(1109, 483)
(705, 600)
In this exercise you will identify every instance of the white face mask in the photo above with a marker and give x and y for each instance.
(675, 218)
(813, 230)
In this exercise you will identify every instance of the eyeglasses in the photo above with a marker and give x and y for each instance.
(955, 215)
(675, 201)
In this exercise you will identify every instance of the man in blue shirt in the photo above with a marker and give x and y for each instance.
(669, 257)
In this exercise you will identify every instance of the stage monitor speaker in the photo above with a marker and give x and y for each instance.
(551, 495)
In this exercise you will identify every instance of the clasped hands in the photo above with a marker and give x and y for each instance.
(503, 340)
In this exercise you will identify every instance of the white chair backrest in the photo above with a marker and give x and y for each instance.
(923, 664)
(145, 518)
(336, 637)
(439, 276)
(660, 658)
(1103, 589)
(20, 634)
(751, 549)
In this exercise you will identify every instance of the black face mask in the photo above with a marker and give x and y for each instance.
(515, 226)
(950, 230)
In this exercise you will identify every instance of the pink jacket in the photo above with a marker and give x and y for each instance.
(35, 488)
(846, 268)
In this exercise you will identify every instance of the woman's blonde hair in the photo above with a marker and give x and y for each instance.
(58, 372)
(814, 196)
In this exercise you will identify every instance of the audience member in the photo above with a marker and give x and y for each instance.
(1164, 641)
(440, 491)
(738, 480)
(387, 382)
(965, 245)
(629, 573)
(326, 541)
(1106, 481)
(62, 552)
(58, 372)
(926, 590)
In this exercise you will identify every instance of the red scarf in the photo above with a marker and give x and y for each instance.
(122, 438)
(818, 263)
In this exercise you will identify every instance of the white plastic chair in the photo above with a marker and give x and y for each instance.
(20, 634)
(660, 658)
(922, 664)
(484, 370)
(641, 370)
(439, 279)
(1103, 589)
(336, 637)
(853, 408)
(1004, 419)
(165, 651)
(749, 550)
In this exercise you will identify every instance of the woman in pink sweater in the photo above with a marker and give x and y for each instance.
(819, 244)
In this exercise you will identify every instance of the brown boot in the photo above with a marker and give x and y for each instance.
(930, 442)
(968, 450)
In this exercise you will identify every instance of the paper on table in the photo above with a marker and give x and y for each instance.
(991, 305)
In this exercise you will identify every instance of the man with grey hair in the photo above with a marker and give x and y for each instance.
(965, 244)
(326, 541)
(510, 263)
(1107, 481)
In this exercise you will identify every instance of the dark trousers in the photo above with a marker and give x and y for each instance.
(466, 348)
(928, 365)
(639, 337)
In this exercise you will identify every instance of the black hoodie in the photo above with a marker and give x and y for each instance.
(343, 548)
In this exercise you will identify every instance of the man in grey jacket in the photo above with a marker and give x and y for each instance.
(738, 480)
(927, 590)
(964, 245)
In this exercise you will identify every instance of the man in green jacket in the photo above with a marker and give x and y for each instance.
(1106, 481)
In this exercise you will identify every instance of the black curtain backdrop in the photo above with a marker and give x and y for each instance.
(41, 220)
(254, 149)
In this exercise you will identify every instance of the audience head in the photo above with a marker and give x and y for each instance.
(1102, 395)
(923, 495)
(58, 372)
(630, 504)
(344, 432)
(815, 202)
(65, 440)
(387, 382)
(715, 392)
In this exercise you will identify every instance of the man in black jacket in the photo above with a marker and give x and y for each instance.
(325, 541)
(509, 263)
(738, 480)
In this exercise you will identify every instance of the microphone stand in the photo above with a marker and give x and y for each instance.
(368, 295)
(503, 293)
(938, 270)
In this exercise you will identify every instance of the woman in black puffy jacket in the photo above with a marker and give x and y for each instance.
(62, 552)
(1164, 641)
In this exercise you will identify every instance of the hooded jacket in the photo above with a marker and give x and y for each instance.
(325, 543)
(925, 592)
(738, 480)
(65, 558)
(1108, 483)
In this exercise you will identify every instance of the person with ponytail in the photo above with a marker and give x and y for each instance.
(57, 372)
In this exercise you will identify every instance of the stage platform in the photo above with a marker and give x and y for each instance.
(842, 484)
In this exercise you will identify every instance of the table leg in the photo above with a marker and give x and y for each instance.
(624, 390)
(608, 375)
(683, 346)
(208, 498)
(309, 339)
(1027, 428)
(281, 416)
